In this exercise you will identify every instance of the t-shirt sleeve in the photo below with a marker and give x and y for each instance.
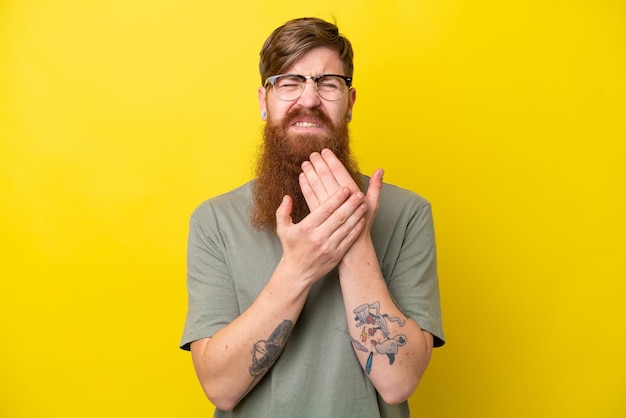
(212, 301)
(414, 281)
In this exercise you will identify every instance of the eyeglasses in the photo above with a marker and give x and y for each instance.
(290, 87)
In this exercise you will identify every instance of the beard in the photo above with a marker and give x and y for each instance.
(280, 160)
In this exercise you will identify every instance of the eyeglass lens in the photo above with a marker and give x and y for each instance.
(290, 87)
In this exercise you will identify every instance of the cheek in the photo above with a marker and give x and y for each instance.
(278, 110)
(339, 113)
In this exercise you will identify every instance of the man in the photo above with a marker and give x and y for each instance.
(312, 289)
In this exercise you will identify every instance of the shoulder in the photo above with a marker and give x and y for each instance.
(398, 195)
(235, 200)
(225, 212)
(397, 198)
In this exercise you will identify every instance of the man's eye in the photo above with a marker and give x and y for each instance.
(328, 85)
(289, 85)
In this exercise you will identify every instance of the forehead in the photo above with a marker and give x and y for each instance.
(318, 61)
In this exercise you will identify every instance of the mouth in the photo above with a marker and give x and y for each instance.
(306, 125)
(301, 121)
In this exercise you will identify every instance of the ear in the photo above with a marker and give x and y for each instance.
(262, 102)
(351, 99)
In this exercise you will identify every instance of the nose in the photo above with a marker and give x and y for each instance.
(309, 97)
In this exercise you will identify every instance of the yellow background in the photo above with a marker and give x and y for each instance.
(118, 117)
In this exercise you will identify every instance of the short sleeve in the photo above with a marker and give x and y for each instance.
(212, 301)
(414, 281)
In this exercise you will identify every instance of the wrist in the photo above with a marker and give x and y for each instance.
(290, 278)
(361, 253)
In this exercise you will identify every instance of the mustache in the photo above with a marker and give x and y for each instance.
(302, 112)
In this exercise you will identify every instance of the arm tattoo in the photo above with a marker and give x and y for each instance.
(376, 328)
(266, 352)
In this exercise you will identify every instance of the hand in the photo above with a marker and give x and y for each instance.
(315, 246)
(324, 174)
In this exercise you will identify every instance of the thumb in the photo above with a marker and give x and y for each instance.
(374, 189)
(376, 184)
(283, 213)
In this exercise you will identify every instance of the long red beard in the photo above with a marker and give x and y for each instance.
(279, 165)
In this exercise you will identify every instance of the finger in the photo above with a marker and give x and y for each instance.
(327, 208)
(347, 236)
(307, 191)
(375, 188)
(346, 232)
(343, 219)
(339, 171)
(323, 171)
(315, 182)
(283, 213)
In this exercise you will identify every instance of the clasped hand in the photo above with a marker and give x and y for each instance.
(339, 216)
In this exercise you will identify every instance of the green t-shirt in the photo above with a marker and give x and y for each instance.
(318, 374)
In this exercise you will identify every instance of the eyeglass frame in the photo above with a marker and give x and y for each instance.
(272, 80)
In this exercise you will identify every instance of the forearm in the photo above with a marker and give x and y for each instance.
(391, 348)
(311, 248)
(234, 359)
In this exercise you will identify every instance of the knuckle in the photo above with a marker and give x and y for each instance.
(328, 210)
(316, 240)
(339, 217)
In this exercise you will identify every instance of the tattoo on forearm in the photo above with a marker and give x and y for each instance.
(359, 346)
(375, 328)
(266, 352)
